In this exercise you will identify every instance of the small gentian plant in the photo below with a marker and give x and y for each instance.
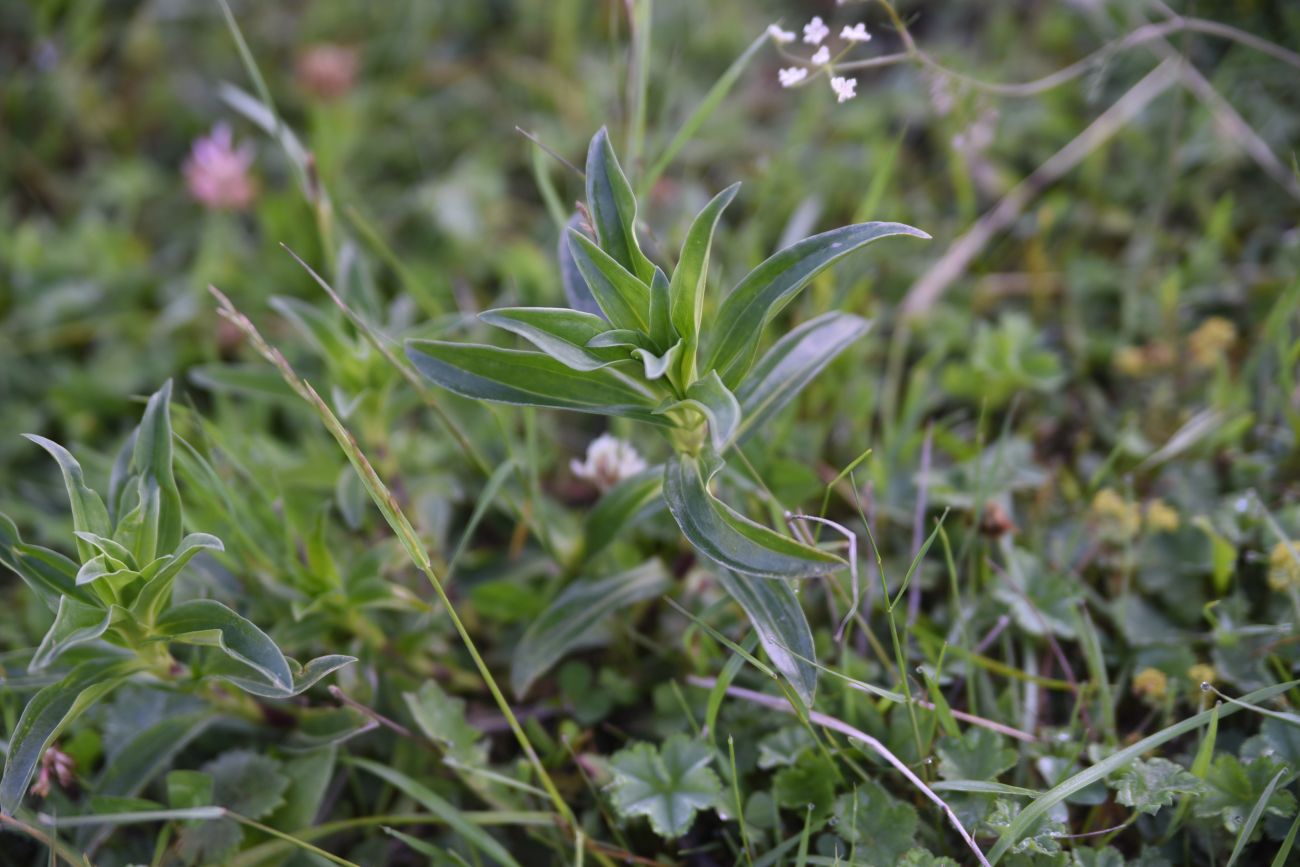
(114, 618)
(633, 344)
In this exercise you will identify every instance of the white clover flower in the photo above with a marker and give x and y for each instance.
(845, 88)
(822, 56)
(784, 37)
(815, 31)
(609, 461)
(856, 33)
(792, 76)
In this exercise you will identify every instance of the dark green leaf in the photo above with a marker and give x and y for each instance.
(529, 379)
(729, 538)
(770, 286)
(49, 574)
(161, 574)
(618, 508)
(713, 400)
(574, 620)
(88, 511)
(774, 611)
(576, 291)
(560, 333)
(441, 718)
(208, 622)
(75, 623)
(304, 676)
(662, 331)
(692, 272)
(622, 296)
(978, 754)
(612, 206)
(879, 824)
(786, 368)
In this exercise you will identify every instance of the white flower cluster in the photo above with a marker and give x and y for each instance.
(815, 33)
(609, 461)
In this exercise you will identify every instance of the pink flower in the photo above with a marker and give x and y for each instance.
(216, 171)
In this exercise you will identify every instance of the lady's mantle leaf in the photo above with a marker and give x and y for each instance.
(668, 786)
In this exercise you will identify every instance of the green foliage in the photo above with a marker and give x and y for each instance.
(668, 785)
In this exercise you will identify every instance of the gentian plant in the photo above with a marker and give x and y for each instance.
(633, 344)
(115, 620)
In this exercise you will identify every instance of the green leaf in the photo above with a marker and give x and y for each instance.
(161, 574)
(576, 291)
(730, 539)
(441, 718)
(304, 676)
(529, 379)
(978, 754)
(49, 574)
(612, 206)
(783, 747)
(769, 287)
(692, 273)
(786, 368)
(809, 782)
(47, 713)
(618, 508)
(1033, 813)
(656, 364)
(187, 789)
(560, 333)
(155, 524)
(76, 623)
(622, 337)
(472, 834)
(574, 620)
(88, 511)
(1235, 787)
(1149, 785)
(668, 786)
(209, 623)
(623, 297)
(247, 782)
(716, 404)
(876, 822)
(662, 331)
(1040, 834)
(774, 611)
(150, 750)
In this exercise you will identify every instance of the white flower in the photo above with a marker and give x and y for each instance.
(822, 56)
(845, 88)
(856, 33)
(609, 461)
(781, 36)
(792, 76)
(815, 31)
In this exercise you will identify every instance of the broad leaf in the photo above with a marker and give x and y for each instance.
(575, 619)
(624, 298)
(209, 623)
(612, 206)
(786, 368)
(76, 623)
(48, 713)
(441, 718)
(730, 539)
(692, 272)
(1154, 783)
(978, 754)
(807, 786)
(560, 333)
(774, 611)
(529, 379)
(668, 786)
(618, 508)
(88, 511)
(769, 287)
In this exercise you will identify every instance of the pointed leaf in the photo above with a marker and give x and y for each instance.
(624, 298)
(560, 333)
(769, 287)
(692, 272)
(528, 379)
(88, 511)
(208, 622)
(47, 714)
(75, 623)
(612, 206)
(657, 366)
(730, 539)
(621, 337)
(49, 574)
(786, 368)
(161, 574)
(576, 291)
(774, 611)
(155, 523)
(304, 676)
(662, 332)
(617, 509)
(574, 619)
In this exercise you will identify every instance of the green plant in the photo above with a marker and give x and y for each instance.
(115, 619)
(634, 344)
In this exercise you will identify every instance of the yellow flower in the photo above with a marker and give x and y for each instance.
(1161, 517)
(1151, 684)
(1201, 673)
(1283, 566)
(1211, 340)
(1116, 516)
